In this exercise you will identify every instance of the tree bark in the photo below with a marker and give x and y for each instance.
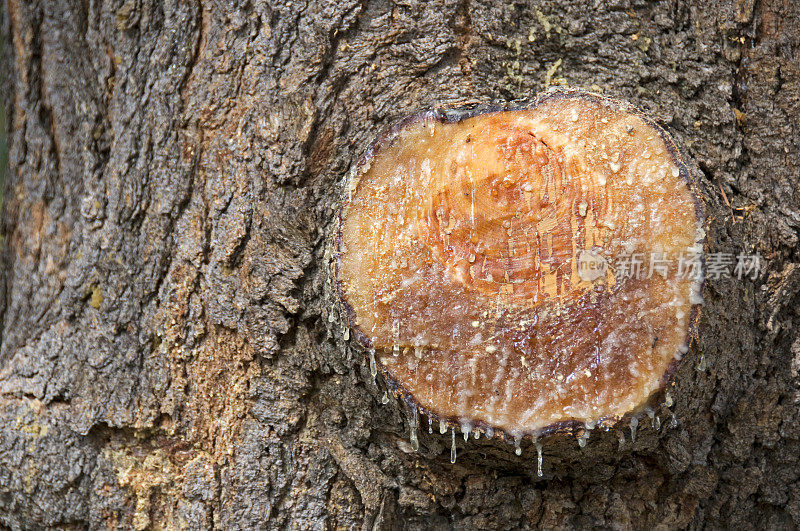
(170, 355)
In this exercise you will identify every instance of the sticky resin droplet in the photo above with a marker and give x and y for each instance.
(634, 425)
(668, 399)
(539, 457)
(583, 439)
(487, 250)
(346, 334)
(518, 444)
(657, 423)
(442, 427)
(385, 398)
(465, 430)
(430, 425)
(414, 440)
(453, 446)
(373, 367)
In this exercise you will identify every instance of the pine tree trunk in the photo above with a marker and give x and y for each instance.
(167, 355)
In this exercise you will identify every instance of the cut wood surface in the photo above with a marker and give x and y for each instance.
(172, 355)
(461, 254)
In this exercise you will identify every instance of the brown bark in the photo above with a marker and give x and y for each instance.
(167, 358)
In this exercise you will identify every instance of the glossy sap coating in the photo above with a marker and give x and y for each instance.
(458, 255)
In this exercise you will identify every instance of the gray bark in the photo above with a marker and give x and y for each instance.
(167, 358)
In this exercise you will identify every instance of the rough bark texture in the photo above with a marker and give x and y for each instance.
(167, 357)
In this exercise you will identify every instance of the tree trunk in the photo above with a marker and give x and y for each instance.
(169, 355)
